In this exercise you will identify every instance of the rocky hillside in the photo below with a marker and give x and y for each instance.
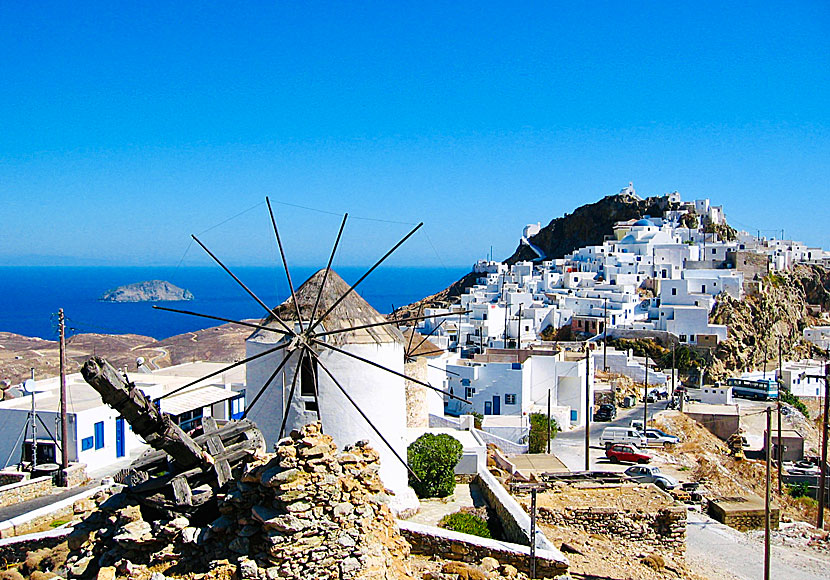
(588, 225)
(757, 322)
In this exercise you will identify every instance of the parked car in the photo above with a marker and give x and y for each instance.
(606, 412)
(658, 437)
(651, 474)
(629, 435)
(625, 452)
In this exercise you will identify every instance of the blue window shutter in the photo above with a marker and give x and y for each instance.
(99, 435)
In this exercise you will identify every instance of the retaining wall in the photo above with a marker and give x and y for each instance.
(451, 545)
(514, 519)
(663, 530)
(14, 550)
(25, 490)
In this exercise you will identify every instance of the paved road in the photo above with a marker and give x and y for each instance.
(19, 509)
(569, 446)
(717, 551)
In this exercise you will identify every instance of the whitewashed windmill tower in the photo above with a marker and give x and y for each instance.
(374, 391)
(325, 354)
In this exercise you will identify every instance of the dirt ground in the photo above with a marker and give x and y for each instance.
(644, 497)
(702, 457)
(602, 558)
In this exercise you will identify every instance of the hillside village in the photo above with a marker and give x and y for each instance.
(674, 331)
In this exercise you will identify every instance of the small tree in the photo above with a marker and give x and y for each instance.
(433, 459)
(538, 439)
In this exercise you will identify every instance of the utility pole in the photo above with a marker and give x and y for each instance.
(778, 382)
(587, 408)
(34, 428)
(64, 423)
(645, 399)
(822, 492)
(548, 421)
(605, 335)
(767, 497)
(672, 371)
(533, 533)
(519, 334)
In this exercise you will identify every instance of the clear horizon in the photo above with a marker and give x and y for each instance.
(126, 128)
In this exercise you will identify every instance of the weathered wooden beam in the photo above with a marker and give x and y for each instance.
(156, 428)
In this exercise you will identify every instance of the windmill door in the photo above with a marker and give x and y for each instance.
(120, 450)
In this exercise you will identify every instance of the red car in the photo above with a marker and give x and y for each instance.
(626, 452)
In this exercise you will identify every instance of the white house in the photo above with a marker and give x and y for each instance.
(800, 378)
(98, 436)
(818, 335)
(516, 382)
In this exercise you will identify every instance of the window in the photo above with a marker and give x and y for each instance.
(465, 382)
(510, 399)
(469, 392)
(87, 443)
(516, 366)
(307, 376)
(238, 406)
(682, 338)
(674, 291)
(704, 288)
(99, 435)
(189, 420)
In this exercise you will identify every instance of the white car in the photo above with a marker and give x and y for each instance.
(658, 437)
(651, 474)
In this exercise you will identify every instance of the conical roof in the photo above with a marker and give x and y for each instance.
(352, 311)
(420, 344)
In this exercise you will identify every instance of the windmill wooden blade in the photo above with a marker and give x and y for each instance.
(284, 262)
(369, 271)
(244, 287)
(386, 323)
(219, 318)
(311, 321)
(224, 369)
(388, 370)
(362, 414)
(283, 362)
(286, 405)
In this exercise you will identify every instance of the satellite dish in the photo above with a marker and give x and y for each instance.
(29, 386)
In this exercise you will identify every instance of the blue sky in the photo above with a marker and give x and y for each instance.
(124, 127)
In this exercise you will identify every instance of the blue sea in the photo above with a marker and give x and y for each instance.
(31, 296)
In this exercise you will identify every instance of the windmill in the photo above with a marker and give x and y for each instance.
(325, 354)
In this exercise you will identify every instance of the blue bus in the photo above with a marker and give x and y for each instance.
(763, 389)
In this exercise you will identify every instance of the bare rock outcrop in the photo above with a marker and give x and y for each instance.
(305, 511)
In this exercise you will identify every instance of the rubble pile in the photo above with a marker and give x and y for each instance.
(305, 511)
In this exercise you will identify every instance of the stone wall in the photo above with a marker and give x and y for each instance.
(417, 408)
(749, 518)
(9, 477)
(25, 490)
(451, 545)
(76, 475)
(664, 529)
(514, 519)
(14, 550)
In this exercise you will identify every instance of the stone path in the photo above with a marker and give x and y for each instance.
(432, 510)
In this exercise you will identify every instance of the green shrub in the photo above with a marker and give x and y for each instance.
(466, 523)
(789, 398)
(433, 459)
(478, 419)
(800, 489)
(538, 439)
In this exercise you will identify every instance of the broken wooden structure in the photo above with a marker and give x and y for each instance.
(182, 473)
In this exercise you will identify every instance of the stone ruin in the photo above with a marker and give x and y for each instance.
(305, 511)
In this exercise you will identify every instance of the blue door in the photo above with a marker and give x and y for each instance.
(496, 405)
(119, 437)
(488, 408)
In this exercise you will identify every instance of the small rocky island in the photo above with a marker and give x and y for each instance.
(150, 291)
